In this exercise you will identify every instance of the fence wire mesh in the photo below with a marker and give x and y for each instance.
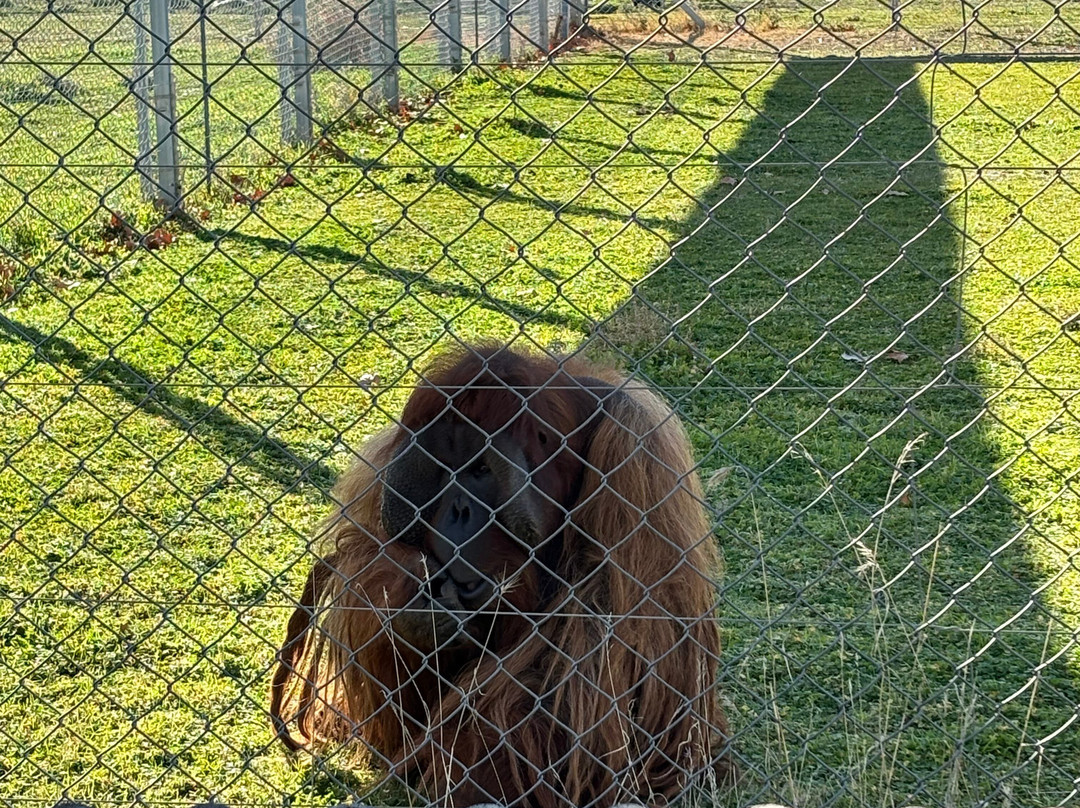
(838, 239)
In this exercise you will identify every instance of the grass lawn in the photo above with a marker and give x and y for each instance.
(884, 351)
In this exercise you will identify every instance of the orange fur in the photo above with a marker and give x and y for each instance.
(607, 696)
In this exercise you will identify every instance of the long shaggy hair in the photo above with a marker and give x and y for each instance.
(594, 680)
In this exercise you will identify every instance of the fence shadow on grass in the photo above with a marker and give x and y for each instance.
(226, 436)
(879, 609)
(322, 253)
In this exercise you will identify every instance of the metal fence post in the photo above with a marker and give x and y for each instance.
(543, 28)
(563, 33)
(504, 30)
(301, 72)
(697, 19)
(140, 89)
(207, 145)
(260, 18)
(285, 77)
(168, 162)
(388, 47)
(453, 33)
(576, 8)
(478, 30)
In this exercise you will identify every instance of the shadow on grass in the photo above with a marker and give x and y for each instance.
(314, 253)
(227, 437)
(465, 183)
(884, 630)
(582, 95)
(535, 129)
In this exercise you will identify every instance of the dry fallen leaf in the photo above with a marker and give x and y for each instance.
(369, 380)
(849, 356)
(905, 499)
(330, 148)
(671, 56)
(287, 181)
(892, 192)
(717, 477)
(159, 239)
(897, 356)
(7, 281)
(117, 230)
(728, 181)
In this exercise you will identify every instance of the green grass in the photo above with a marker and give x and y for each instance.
(172, 419)
(953, 26)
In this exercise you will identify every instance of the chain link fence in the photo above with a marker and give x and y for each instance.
(838, 239)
